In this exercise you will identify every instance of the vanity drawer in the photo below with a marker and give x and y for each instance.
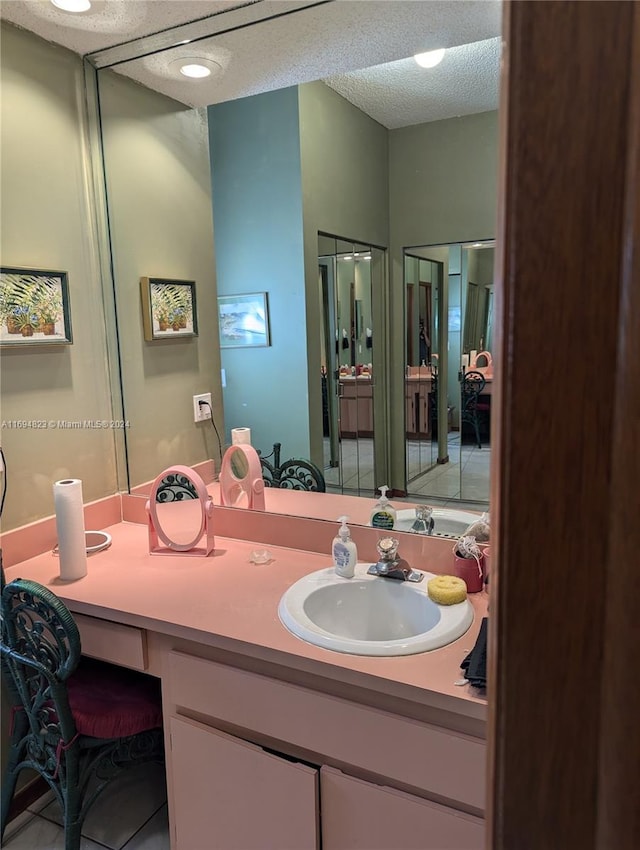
(113, 642)
(444, 763)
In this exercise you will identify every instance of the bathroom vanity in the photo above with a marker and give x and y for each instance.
(273, 743)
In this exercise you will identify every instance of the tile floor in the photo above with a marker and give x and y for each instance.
(464, 479)
(130, 814)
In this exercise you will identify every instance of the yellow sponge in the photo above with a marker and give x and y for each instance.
(447, 590)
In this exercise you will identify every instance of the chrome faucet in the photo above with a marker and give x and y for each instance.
(424, 522)
(390, 565)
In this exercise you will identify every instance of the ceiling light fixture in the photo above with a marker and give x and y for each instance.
(195, 70)
(195, 67)
(430, 59)
(72, 5)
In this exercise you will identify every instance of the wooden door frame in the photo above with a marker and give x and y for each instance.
(564, 703)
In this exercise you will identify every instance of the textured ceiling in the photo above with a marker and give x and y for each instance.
(294, 43)
(108, 22)
(401, 93)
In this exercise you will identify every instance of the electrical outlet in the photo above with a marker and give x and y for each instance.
(202, 411)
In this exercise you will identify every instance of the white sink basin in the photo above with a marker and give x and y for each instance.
(448, 523)
(369, 615)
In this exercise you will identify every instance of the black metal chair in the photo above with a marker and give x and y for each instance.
(176, 488)
(75, 721)
(293, 474)
(472, 384)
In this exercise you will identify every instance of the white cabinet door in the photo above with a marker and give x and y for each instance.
(231, 795)
(357, 815)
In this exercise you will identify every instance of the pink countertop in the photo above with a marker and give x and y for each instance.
(327, 506)
(227, 602)
(306, 503)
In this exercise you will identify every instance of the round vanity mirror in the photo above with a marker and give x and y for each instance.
(179, 510)
(180, 523)
(241, 483)
(239, 465)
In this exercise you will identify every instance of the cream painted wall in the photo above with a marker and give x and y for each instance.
(47, 223)
(345, 188)
(486, 269)
(428, 184)
(156, 155)
(443, 180)
(47, 219)
(442, 189)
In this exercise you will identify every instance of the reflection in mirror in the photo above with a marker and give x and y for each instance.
(383, 171)
(239, 465)
(335, 311)
(423, 277)
(457, 464)
(241, 484)
(180, 521)
(179, 513)
(144, 135)
(291, 474)
(478, 318)
(348, 274)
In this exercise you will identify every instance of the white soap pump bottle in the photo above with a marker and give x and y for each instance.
(345, 554)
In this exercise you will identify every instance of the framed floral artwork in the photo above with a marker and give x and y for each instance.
(34, 307)
(168, 308)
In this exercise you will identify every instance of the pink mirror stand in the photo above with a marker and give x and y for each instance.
(245, 489)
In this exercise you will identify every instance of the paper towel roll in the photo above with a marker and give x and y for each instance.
(241, 436)
(72, 552)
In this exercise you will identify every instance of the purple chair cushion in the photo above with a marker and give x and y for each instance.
(112, 702)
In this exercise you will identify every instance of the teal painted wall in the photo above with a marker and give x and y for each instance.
(257, 207)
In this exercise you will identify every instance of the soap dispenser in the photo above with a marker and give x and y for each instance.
(383, 514)
(345, 554)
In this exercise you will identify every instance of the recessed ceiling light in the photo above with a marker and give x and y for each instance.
(72, 5)
(430, 59)
(195, 67)
(195, 70)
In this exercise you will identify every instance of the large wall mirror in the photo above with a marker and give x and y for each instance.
(350, 275)
(449, 463)
(308, 194)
